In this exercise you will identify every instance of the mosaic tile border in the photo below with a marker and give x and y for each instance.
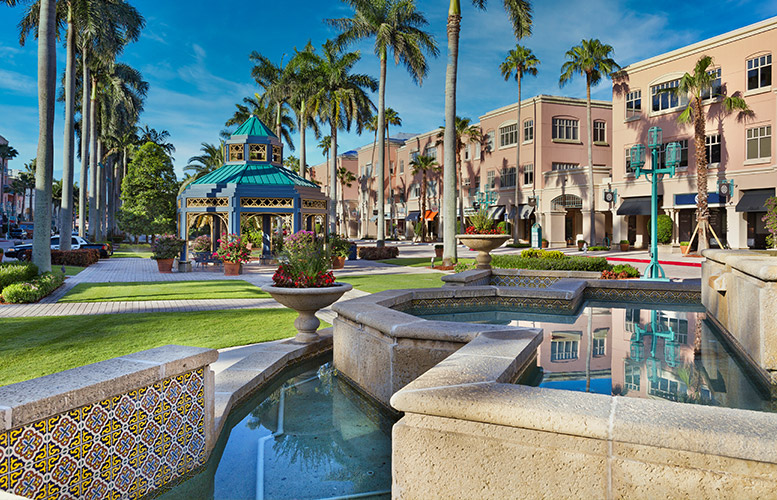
(523, 281)
(643, 296)
(422, 306)
(121, 447)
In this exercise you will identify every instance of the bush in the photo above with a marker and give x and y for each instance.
(594, 264)
(84, 257)
(625, 242)
(26, 293)
(631, 271)
(16, 272)
(462, 266)
(167, 246)
(519, 245)
(536, 253)
(600, 248)
(664, 229)
(375, 253)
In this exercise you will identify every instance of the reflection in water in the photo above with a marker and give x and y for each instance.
(645, 353)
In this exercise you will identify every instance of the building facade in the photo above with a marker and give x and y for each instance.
(742, 168)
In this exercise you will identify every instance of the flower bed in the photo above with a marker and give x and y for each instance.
(305, 263)
(33, 291)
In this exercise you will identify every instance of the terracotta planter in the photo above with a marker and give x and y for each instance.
(483, 244)
(306, 301)
(580, 245)
(625, 247)
(231, 268)
(338, 262)
(165, 265)
(545, 244)
(684, 249)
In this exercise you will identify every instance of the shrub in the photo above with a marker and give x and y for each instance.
(16, 272)
(483, 224)
(33, 291)
(201, 244)
(84, 257)
(233, 249)
(631, 271)
(375, 253)
(664, 229)
(167, 246)
(594, 264)
(600, 248)
(305, 262)
(536, 253)
(519, 245)
(462, 266)
(625, 242)
(339, 246)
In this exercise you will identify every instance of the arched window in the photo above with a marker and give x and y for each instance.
(566, 201)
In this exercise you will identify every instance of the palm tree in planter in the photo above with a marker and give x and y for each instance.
(593, 59)
(424, 165)
(520, 61)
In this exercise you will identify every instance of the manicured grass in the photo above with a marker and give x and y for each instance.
(418, 261)
(373, 283)
(33, 347)
(125, 254)
(73, 270)
(164, 290)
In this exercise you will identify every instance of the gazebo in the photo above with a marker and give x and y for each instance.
(252, 189)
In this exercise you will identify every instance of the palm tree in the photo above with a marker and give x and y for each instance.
(519, 61)
(346, 179)
(397, 27)
(463, 131)
(697, 87)
(7, 152)
(341, 100)
(519, 12)
(255, 106)
(27, 181)
(277, 81)
(392, 118)
(593, 59)
(423, 165)
(158, 137)
(302, 90)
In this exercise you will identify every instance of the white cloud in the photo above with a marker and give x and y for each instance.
(17, 83)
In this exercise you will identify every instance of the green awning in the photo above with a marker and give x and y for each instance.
(254, 175)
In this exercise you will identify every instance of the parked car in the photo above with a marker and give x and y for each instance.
(76, 243)
(28, 228)
(16, 232)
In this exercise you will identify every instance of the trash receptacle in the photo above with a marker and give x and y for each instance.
(352, 252)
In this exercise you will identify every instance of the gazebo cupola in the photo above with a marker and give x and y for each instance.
(252, 189)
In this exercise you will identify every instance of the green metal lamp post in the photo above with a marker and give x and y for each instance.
(654, 272)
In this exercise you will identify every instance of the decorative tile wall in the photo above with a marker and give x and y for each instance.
(424, 306)
(643, 296)
(523, 281)
(122, 447)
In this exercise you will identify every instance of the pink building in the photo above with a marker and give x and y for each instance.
(739, 148)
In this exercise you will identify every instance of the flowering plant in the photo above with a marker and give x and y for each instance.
(201, 244)
(232, 249)
(166, 246)
(305, 262)
(481, 223)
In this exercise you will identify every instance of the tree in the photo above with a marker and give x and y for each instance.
(398, 27)
(473, 134)
(302, 91)
(392, 118)
(291, 162)
(158, 137)
(277, 82)
(7, 152)
(255, 106)
(346, 179)
(519, 12)
(592, 59)
(423, 165)
(520, 61)
(698, 87)
(148, 193)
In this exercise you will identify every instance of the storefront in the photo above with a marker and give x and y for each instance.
(685, 206)
(753, 204)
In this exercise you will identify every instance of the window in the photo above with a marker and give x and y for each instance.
(632, 319)
(431, 189)
(678, 325)
(564, 347)
(600, 131)
(257, 152)
(508, 177)
(633, 103)
(466, 181)
(714, 90)
(467, 151)
(508, 135)
(528, 130)
(368, 170)
(391, 168)
(629, 168)
(713, 148)
(663, 99)
(759, 72)
(491, 179)
(564, 166)
(276, 154)
(415, 190)
(401, 166)
(236, 152)
(599, 347)
(683, 152)
(565, 129)
(759, 142)
(477, 150)
(413, 155)
(431, 152)
(632, 376)
(528, 173)
(489, 141)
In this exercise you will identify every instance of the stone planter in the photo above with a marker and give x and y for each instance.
(231, 268)
(684, 249)
(625, 247)
(483, 244)
(545, 244)
(165, 265)
(306, 301)
(338, 262)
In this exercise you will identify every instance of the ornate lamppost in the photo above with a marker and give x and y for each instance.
(654, 272)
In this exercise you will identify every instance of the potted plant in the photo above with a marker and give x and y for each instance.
(684, 247)
(580, 244)
(304, 283)
(233, 252)
(483, 237)
(625, 245)
(201, 245)
(438, 250)
(339, 247)
(165, 249)
(545, 243)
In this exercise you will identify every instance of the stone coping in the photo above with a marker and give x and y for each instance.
(32, 400)
(761, 265)
(470, 385)
(475, 275)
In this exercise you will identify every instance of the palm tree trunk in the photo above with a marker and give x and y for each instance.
(302, 154)
(278, 121)
(591, 192)
(333, 178)
(100, 193)
(702, 208)
(47, 73)
(93, 158)
(461, 193)
(85, 125)
(110, 192)
(66, 221)
(422, 217)
(449, 157)
(381, 237)
(519, 130)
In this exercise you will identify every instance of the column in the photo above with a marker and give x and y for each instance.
(587, 228)
(266, 236)
(554, 230)
(737, 228)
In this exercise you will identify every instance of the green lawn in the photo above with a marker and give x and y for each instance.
(125, 254)
(33, 347)
(164, 290)
(373, 283)
(73, 270)
(418, 261)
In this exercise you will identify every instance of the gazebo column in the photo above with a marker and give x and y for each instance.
(183, 233)
(266, 236)
(234, 221)
(296, 223)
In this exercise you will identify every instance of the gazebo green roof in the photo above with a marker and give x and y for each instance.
(254, 175)
(254, 127)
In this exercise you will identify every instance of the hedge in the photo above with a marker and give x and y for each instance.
(375, 253)
(16, 272)
(83, 257)
(536, 253)
(595, 264)
(26, 293)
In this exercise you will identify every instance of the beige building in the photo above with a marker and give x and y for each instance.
(739, 148)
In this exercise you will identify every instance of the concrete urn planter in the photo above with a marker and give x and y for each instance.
(307, 301)
(483, 244)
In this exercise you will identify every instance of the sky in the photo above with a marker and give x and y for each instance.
(194, 55)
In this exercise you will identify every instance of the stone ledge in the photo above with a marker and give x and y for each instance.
(760, 265)
(32, 400)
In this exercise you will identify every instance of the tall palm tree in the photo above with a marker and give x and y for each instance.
(346, 178)
(592, 59)
(472, 133)
(302, 91)
(341, 100)
(519, 12)
(158, 137)
(277, 81)
(398, 27)
(520, 61)
(698, 86)
(392, 118)
(424, 165)
(255, 106)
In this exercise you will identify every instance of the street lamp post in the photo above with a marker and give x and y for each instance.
(654, 272)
